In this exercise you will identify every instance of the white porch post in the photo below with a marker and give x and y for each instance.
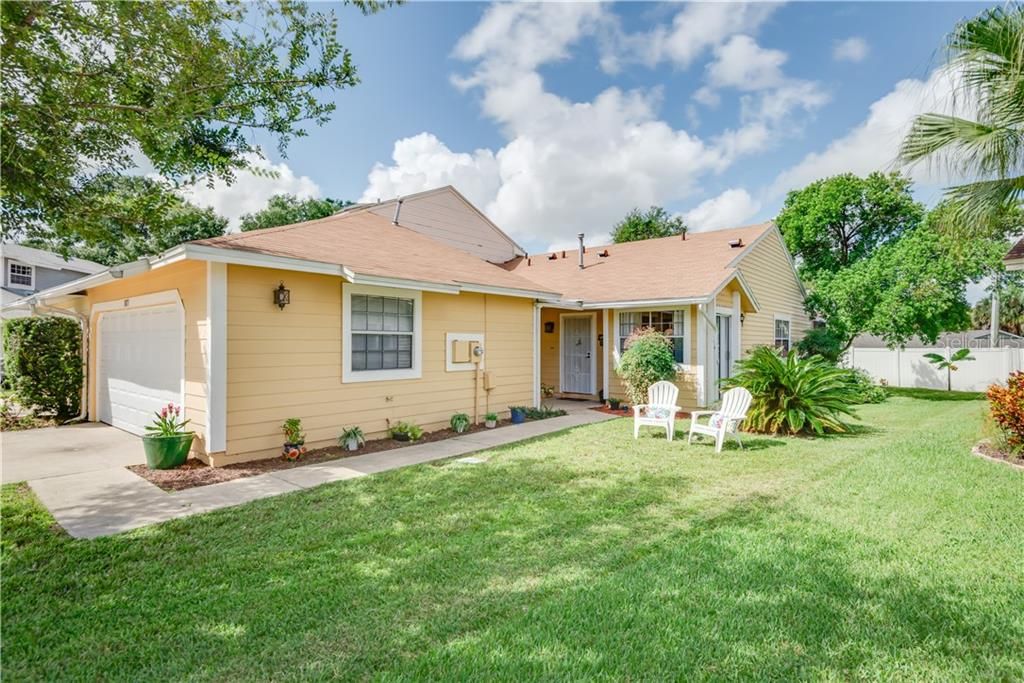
(217, 356)
(734, 338)
(702, 356)
(536, 355)
(605, 350)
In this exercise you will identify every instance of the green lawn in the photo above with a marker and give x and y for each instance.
(888, 554)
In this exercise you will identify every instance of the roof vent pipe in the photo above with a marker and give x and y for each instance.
(580, 236)
(398, 210)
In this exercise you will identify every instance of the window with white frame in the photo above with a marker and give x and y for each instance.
(20, 275)
(670, 323)
(782, 335)
(382, 333)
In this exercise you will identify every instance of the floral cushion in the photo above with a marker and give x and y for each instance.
(659, 413)
(716, 420)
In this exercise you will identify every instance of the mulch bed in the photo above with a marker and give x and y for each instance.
(197, 473)
(986, 449)
(628, 412)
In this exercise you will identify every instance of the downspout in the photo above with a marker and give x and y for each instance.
(83, 321)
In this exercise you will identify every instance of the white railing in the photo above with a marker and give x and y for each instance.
(910, 368)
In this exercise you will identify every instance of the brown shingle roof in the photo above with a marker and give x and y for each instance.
(665, 268)
(369, 244)
(1017, 252)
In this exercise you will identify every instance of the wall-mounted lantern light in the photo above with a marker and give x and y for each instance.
(282, 297)
(549, 327)
(743, 317)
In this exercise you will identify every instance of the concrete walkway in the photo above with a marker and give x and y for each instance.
(105, 501)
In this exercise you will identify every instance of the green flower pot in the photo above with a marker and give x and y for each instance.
(167, 452)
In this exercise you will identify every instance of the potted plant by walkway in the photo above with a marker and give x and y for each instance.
(351, 438)
(614, 403)
(167, 444)
(459, 422)
(518, 414)
(406, 431)
(294, 439)
(491, 420)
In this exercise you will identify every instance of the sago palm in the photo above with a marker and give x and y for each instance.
(794, 395)
(986, 60)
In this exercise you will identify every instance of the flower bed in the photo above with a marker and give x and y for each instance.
(197, 473)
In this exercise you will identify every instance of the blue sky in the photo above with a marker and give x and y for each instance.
(558, 118)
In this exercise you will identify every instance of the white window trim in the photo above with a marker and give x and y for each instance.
(32, 275)
(593, 351)
(789, 330)
(687, 360)
(348, 375)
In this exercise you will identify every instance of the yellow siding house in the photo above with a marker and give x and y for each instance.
(409, 310)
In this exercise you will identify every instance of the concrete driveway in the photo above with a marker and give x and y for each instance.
(57, 451)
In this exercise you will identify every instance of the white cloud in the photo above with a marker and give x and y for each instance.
(250, 192)
(567, 166)
(423, 161)
(873, 145)
(732, 208)
(854, 49)
(743, 64)
(698, 27)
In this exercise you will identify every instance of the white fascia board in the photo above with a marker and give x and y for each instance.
(738, 276)
(401, 283)
(548, 302)
(1016, 264)
(202, 252)
(686, 301)
(504, 291)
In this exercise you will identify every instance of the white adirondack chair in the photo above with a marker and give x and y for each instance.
(725, 420)
(660, 409)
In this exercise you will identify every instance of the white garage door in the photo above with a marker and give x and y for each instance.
(140, 365)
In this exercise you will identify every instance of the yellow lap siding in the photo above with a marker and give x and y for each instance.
(289, 363)
(768, 272)
(188, 278)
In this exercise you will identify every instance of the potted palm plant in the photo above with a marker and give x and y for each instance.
(167, 443)
(518, 414)
(294, 439)
(351, 438)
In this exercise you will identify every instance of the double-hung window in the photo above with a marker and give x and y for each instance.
(782, 334)
(671, 323)
(20, 275)
(382, 329)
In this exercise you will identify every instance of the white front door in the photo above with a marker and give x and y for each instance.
(140, 364)
(578, 354)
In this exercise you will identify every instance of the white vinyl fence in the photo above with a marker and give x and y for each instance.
(910, 368)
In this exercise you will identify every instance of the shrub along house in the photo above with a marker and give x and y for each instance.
(411, 309)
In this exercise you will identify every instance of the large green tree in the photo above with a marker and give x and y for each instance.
(285, 209)
(645, 225)
(911, 286)
(135, 217)
(986, 60)
(835, 222)
(92, 88)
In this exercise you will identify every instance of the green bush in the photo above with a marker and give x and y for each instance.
(647, 359)
(43, 364)
(867, 390)
(820, 341)
(794, 395)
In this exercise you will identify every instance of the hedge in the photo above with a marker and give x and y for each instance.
(43, 364)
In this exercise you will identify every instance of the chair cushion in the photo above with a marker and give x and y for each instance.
(659, 413)
(716, 420)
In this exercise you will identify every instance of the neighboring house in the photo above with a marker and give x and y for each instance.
(385, 305)
(1014, 260)
(27, 270)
